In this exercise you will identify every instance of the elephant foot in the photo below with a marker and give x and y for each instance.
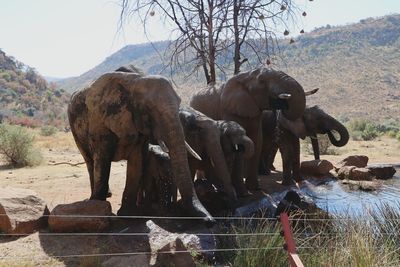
(128, 211)
(194, 208)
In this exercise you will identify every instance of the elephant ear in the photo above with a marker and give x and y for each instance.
(236, 98)
(108, 103)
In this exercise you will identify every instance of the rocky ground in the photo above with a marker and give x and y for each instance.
(62, 183)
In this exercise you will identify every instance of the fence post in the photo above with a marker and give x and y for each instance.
(294, 258)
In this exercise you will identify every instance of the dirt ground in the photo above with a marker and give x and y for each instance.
(63, 183)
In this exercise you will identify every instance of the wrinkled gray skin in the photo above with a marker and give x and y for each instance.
(222, 145)
(157, 183)
(114, 119)
(286, 139)
(243, 98)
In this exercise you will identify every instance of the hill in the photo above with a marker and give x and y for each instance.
(356, 67)
(26, 98)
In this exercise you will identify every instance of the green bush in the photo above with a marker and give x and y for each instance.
(365, 130)
(16, 146)
(398, 136)
(48, 130)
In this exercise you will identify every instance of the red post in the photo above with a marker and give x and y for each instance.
(294, 258)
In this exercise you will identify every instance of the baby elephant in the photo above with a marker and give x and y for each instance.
(279, 133)
(222, 145)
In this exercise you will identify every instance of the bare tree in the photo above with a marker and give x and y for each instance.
(207, 30)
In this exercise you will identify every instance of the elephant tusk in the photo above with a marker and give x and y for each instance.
(191, 151)
(212, 162)
(163, 146)
(236, 147)
(311, 92)
(284, 96)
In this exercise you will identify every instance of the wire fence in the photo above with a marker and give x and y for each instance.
(300, 236)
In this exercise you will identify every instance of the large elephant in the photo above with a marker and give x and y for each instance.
(279, 133)
(244, 97)
(114, 118)
(222, 145)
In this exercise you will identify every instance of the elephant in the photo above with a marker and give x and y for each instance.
(222, 145)
(114, 119)
(282, 134)
(243, 98)
(157, 183)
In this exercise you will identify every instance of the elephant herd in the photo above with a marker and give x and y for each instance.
(231, 132)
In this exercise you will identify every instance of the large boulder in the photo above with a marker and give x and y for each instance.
(174, 254)
(160, 237)
(382, 171)
(316, 167)
(22, 211)
(359, 161)
(81, 217)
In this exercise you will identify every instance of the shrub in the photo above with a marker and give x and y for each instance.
(398, 136)
(16, 146)
(48, 130)
(365, 130)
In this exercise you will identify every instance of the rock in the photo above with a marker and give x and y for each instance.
(363, 185)
(21, 211)
(382, 171)
(174, 254)
(344, 172)
(359, 161)
(266, 204)
(62, 218)
(361, 174)
(316, 167)
(160, 237)
(354, 173)
(122, 261)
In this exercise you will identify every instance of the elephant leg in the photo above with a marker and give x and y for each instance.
(134, 173)
(271, 157)
(101, 175)
(296, 161)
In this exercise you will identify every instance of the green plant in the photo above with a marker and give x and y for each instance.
(370, 132)
(48, 130)
(16, 146)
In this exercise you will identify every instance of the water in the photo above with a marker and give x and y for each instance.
(337, 198)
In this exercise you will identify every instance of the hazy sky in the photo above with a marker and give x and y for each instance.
(62, 38)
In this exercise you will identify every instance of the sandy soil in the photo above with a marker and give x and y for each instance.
(65, 184)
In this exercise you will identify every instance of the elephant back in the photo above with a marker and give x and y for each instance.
(207, 101)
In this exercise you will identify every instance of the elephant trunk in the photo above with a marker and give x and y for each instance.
(175, 141)
(247, 145)
(219, 163)
(344, 134)
(315, 146)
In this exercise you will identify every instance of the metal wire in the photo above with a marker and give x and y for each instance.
(148, 253)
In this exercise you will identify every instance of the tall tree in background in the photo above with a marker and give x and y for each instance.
(207, 30)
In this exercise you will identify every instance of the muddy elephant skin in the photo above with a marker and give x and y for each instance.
(114, 118)
(315, 121)
(222, 145)
(243, 98)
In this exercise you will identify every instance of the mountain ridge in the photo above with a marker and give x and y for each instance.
(354, 65)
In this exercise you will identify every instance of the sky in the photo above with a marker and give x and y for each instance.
(64, 38)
